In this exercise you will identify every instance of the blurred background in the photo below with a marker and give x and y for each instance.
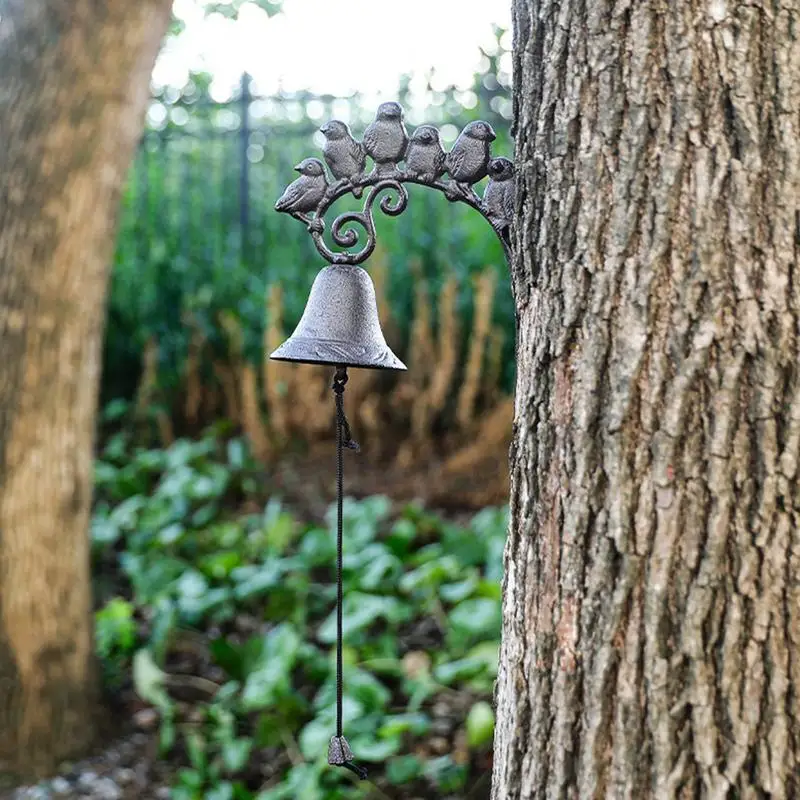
(211, 533)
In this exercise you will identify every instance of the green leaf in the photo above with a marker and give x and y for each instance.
(495, 549)
(390, 666)
(302, 783)
(491, 589)
(359, 611)
(227, 535)
(373, 565)
(115, 409)
(151, 579)
(280, 527)
(164, 621)
(272, 7)
(150, 461)
(126, 515)
(167, 734)
(171, 534)
(367, 748)
(478, 618)
(488, 653)
(195, 599)
(456, 592)
(360, 685)
(222, 791)
(429, 576)
(116, 448)
(179, 454)
(159, 513)
(315, 663)
(229, 657)
(315, 736)
(403, 769)
(191, 584)
(255, 581)
(419, 691)
(104, 531)
(219, 565)
(480, 725)
(115, 628)
(398, 724)
(491, 526)
(149, 680)
(191, 781)
(226, 695)
(462, 669)
(360, 519)
(196, 750)
(271, 675)
(236, 753)
(447, 775)
(491, 523)
(269, 729)
(237, 454)
(401, 537)
(105, 474)
(464, 545)
(317, 547)
(204, 515)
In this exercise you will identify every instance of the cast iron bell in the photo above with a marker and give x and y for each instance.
(340, 324)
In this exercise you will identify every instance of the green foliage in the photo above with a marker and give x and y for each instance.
(115, 628)
(231, 8)
(194, 562)
(115, 639)
(480, 724)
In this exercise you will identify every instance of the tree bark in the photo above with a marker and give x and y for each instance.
(75, 78)
(651, 639)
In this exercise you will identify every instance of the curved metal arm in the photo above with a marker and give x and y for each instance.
(310, 196)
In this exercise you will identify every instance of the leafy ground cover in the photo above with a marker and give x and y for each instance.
(216, 617)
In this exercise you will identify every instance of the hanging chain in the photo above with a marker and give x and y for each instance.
(339, 752)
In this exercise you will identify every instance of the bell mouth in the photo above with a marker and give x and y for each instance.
(332, 353)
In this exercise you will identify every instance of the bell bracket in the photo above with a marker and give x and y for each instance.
(424, 163)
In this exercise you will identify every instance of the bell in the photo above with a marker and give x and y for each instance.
(340, 324)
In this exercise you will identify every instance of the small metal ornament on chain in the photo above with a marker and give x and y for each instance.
(340, 325)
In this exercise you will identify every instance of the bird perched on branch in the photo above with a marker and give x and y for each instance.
(467, 162)
(425, 157)
(344, 156)
(498, 199)
(385, 139)
(304, 193)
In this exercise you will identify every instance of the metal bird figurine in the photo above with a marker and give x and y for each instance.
(304, 194)
(468, 161)
(395, 161)
(498, 199)
(425, 157)
(385, 139)
(344, 156)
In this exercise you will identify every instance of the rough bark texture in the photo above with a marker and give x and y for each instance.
(652, 593)
(75, 78)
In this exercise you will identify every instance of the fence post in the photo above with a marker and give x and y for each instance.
(244, 174)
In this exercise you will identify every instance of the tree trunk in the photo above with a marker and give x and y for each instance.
(75, 76)
(651, 643)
